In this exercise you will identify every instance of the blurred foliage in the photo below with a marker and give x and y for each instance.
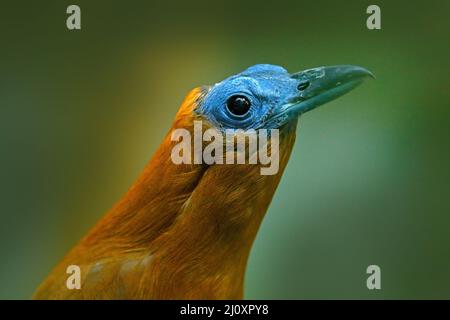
(81, 112)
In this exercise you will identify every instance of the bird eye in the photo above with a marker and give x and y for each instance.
(238, 105)
(303, 85)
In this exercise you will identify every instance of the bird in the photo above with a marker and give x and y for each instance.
(185, 230)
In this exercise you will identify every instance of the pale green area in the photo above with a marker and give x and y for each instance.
(368, 181)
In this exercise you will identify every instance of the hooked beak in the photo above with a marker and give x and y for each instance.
(319, 85)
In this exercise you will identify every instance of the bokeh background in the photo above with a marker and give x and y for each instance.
(81, 112)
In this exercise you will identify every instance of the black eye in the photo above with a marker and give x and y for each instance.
(238, 105)
(303, 85)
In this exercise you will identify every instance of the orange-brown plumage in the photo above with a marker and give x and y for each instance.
(184, 231)
(180, 232)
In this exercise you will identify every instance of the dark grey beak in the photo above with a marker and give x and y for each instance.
(323, 84)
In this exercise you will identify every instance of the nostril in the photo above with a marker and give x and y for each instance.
(303, 85)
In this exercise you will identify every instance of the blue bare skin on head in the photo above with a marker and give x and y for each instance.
(266, 96)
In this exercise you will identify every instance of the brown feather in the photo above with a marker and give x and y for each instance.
(180, 232)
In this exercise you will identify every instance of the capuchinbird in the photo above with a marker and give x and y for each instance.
(185, 230)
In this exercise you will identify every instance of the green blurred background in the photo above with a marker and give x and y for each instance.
(81, 112)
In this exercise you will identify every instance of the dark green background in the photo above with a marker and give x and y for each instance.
(81, 112)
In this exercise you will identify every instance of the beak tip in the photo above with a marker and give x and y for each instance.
(372, 75)
(369, 73)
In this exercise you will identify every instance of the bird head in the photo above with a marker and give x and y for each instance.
(268, 97)
(263, 98)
